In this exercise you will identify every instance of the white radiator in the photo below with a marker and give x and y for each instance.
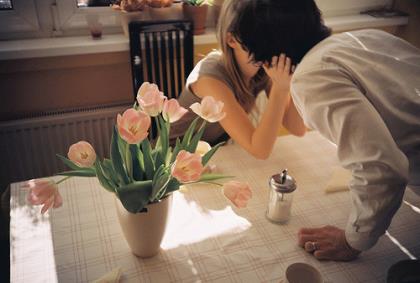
(28, 147)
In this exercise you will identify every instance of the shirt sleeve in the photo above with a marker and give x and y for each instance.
(331, 102)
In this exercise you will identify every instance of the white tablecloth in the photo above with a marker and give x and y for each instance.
(207, 240)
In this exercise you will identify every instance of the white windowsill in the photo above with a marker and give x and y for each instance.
(63, 46)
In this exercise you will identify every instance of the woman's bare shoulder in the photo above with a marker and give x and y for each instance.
(210, 86)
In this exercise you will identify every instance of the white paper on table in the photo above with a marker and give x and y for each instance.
(339, 180)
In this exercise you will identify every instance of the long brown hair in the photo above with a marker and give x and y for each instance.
(244, 92)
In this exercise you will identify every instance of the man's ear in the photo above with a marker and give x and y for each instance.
(231, 41)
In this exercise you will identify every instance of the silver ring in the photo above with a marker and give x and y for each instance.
(314, 246)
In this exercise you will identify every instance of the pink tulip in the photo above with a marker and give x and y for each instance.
(209, 109)
(145, 87)
(238, 193)
(150, 99)
(187, 167)
(172, 111)
(82, 153)
(45, 192)
(133, 125)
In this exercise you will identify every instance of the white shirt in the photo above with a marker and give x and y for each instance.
(361, 90)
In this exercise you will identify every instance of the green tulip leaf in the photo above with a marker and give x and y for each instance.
(188, 134)
(70, 163)
(158, 141)
(135, 196)
(137, 159)
(141, 159)
(128, 162)
(121, 145)
(74, 166)
(116, 158)
(173, 185)
(149, 166)
(109, 171)
(192, 146)
(102, 179)
(164, 135)
(176, 150)
(160, 181)
(168, 156)
(159, 160)
(194, 2)
(210, 153)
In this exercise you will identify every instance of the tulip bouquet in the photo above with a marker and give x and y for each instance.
(138, 172)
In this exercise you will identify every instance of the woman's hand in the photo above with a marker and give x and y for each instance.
(280, 72)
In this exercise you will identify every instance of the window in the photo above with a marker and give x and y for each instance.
(94, 3)
(42, 18)
(6, 4)
(49, 18)
(72, 14)
(18, 16)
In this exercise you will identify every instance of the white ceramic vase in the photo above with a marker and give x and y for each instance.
(144, 231)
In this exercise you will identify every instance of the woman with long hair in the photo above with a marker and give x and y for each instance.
(234, 77)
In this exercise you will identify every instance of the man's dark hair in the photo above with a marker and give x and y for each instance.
(267, 28)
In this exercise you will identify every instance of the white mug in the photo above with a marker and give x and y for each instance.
(303, 273)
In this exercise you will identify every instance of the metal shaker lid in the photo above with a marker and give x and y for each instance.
(282, 182)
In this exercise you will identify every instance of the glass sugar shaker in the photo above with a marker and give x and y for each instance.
(280, 199)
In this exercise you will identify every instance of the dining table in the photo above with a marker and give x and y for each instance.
(207, 238)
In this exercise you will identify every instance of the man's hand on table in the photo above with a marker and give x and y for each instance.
(327, 243)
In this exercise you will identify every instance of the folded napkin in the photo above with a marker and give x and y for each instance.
(339, 180)
(111, 277)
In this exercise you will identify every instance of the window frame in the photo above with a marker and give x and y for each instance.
(72, 17)
(22, 17)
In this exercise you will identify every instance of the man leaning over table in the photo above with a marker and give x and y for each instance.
(360, 90)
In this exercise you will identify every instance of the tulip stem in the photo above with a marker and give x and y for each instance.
(128, 161)
(168, 126)
(62, 180)
(212, 183)
(155, 120)
(203, 124)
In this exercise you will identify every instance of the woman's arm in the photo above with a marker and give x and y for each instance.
(280, 82)
(258, 141)
(292, 120)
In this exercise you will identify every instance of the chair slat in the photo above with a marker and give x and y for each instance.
(147, 47)
(164, 62)
(171, 63)
(164, 52)
(156, 60)
(178, 61)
